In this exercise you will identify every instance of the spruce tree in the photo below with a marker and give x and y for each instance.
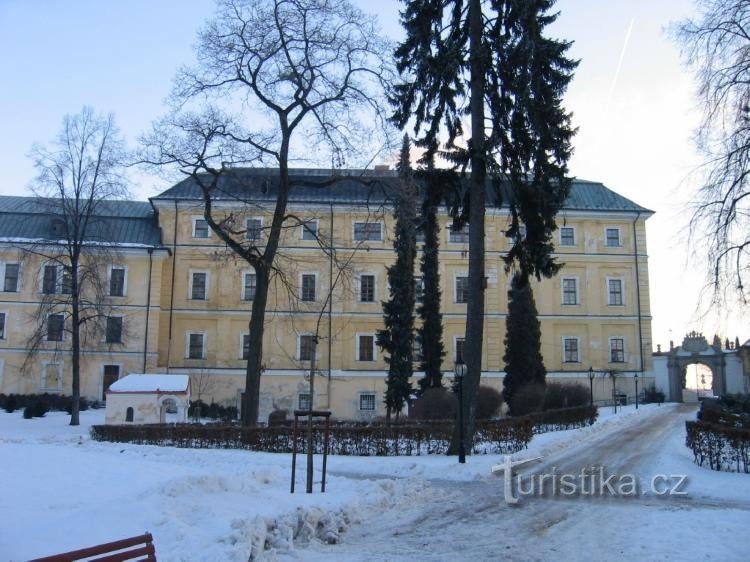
(490, 58)
(523, 357)
(397, 339)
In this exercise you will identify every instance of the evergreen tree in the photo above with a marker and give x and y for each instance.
(476, 58)
(430, 332)
(736, 342)
(397, 338)
(523, 357)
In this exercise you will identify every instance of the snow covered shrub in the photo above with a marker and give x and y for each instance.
(527, 399)
(653, 395)
(277, 417)
(489, 402)
(721, 448)
(28, 412)
(11, 404)
(559, 395)
(434, 404)
(39, 409)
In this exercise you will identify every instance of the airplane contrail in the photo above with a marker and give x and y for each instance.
(619, 66)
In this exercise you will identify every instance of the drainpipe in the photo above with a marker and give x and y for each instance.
(148, 306)
(330, 311)
(171, 293)
(638, 292)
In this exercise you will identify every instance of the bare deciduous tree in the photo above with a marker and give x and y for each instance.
(716, 45)
(276, 81)
(76, 175)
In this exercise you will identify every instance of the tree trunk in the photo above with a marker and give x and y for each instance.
(475, 306)
(76, 346)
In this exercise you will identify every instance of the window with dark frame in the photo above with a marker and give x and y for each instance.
(368, 231)
(570, 291)
(114, 329)
(567, 236)
(200, 228)
(366, 348)
(462, 290)
(617, 350)
(49, 280)
(195, 346)
(418, 289)
(55, 325)
(198, 288)
(245, 346)
(305, 347)
(2, 325)
(612, 237)
(367, 402)
(66, 287)
(10, 283)
(303, 401)
(254, 229)
(310, 230)
(308, 287)
(248, 289)
(615, 292)
(117, 282)
(416, 350)
(571, 350)
(367, 288)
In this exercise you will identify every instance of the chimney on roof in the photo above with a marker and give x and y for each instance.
(382, 167)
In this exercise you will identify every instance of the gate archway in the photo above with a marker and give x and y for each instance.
(695, 349)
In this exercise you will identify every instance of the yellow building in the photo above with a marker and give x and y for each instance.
(185, 299)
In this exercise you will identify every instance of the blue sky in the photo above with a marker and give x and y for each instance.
(635, 125)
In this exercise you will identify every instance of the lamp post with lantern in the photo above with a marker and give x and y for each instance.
(591, 386)
(459, 370)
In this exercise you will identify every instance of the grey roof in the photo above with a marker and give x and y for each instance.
(116, 222)
(360, 187)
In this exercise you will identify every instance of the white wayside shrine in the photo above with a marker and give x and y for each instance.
(148, 399)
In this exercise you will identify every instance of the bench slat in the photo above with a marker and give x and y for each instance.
(106, 548)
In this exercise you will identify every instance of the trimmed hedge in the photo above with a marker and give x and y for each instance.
(52, 402)
(721, 448)
(407, 439)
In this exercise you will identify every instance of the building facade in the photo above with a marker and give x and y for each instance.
(185, 299)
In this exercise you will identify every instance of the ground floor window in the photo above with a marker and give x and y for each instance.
(367, 402)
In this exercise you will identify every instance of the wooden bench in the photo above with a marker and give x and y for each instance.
(140, 547)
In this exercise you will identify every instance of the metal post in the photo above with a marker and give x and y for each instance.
(294, 451)
(636, 391)
(461, 444)
(309, 487)
(325, 452)
(614, 390)
(591, 386)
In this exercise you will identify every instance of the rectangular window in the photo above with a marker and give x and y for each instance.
(416, 350)
(49, 280)
(458, 235)
(419, 289)
(459, 357)
(614, 290)
(310, 230)
(616, 350)
(254, 229)
(367, 402)
(364, 231)
(303, 401)
(110, 375)
(66, 287)
(570, 290)
(198, 286)
(367, 288)
(305, 347)
(51, 377)
(366, 351)
(462, 289)
(612, 236)
(200, 228)
(308, 287)
(567, 236)
(55, 324)
(571, 350)
(195, 346)
(248, 286)
(245, 347)
(10, 284)
(117, 282)
(2, 325)
(114, 329)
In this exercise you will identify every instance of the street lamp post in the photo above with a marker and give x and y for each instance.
(614, 389)
(459, 370)
(591, 386)
(636, 390)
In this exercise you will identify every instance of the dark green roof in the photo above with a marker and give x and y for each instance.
(316, 186)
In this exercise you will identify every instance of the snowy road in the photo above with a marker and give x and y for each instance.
(471, 519)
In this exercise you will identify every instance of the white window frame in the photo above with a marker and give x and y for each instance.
(368, 223)
(575, 236)
(124, 281)
(4, 333)
(243, 335)
(244, 273)
(624, 350)
(2, 276)
(59, 278)
(565, 351)
(187, 345)
(316, 222)
(622, 291)
(195, 219)
(247, 229)
(577, 293)
(357, 347)
(456, 277)
(463, 232)
(456, 339)
(368, 393)
(315, 275)
(122, 328)
(192, 272)
(619, 237)
(297, 355)
(42, 379)
(374, 287)
(62, 336)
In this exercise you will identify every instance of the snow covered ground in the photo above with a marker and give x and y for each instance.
(62, 491)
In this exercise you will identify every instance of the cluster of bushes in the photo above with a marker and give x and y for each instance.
(534, 398)
(442, 404)
(36, 405)
(492, 436)
(718, 446)
(200, 409)
(652, 395)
